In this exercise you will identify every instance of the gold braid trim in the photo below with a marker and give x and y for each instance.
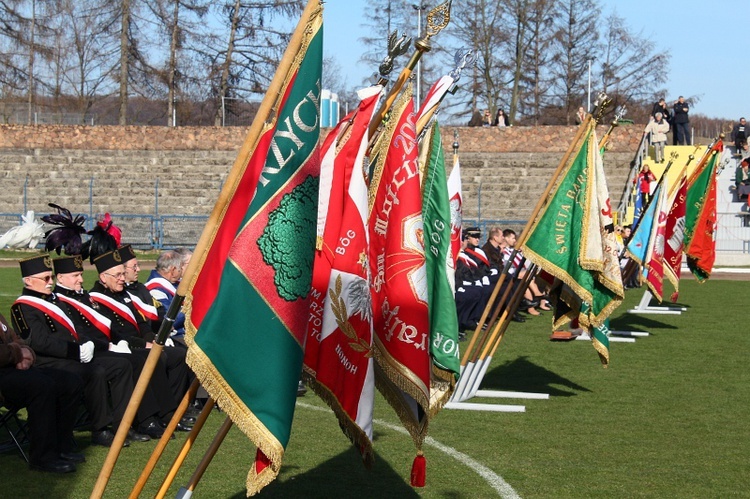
(401, 377)
(383, 143)
(442, 385)
(350, 428)
(395, 397)
(601, 350)
(241, 415)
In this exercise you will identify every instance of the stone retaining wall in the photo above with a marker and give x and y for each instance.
(480, 139)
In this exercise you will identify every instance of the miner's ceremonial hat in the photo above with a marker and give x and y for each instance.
(35, 265)
(68, 264)
(108, 260)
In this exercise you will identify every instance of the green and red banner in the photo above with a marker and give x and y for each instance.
(247, 303)
(700, 217)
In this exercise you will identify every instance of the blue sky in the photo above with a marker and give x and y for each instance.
(694, 32)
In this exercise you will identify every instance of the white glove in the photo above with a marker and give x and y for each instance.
(467, 283)
(121, 347)
(124, 346)
(86, 352)
(486, 281)
(169, 343)
(493, 271)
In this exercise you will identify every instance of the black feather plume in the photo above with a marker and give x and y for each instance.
(67, 233)
(105, 237)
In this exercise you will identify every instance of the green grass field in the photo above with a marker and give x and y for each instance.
(667, 419)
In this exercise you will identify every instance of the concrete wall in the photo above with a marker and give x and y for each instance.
(116, 169)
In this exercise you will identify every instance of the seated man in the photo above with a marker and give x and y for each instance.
(44, 326)
(158, 403)
(51, 398)
(533, 296)
(493, 248)
(130, 307)
(742, 180)
(162, 284)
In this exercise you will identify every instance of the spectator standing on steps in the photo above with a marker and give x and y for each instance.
(681, 122)
(661, 107)
(739, 136)
(658, 128)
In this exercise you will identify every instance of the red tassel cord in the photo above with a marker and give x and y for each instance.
(418, 470)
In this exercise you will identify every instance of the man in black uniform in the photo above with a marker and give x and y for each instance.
(157, 404)
(51, 398)
(47, 329)
(133, 313)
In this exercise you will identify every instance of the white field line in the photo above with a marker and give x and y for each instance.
(494, 480)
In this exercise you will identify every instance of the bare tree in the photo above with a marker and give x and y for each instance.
(576, 46)
(476, 24)
(251, 39)
(382, 17)
(178, 23)
(535, 80)
(26, 33)
(85, 52)
(631, 69)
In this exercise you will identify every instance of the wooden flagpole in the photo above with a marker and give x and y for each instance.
(539, 205)
(188, 445)
(159, 449)
(187, 492)
(265, 110)
(499, 328)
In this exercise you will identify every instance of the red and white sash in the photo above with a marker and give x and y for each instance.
(115, 306)
(160, 282)
(148, 311)
(477, 254)
(100, 322)
(50, 309)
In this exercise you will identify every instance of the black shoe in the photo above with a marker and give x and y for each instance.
(137, 437)
(301, 389)
(187, 420)
(517, 318)
(153, 429)
(193, 411)
(54, 466)
(73, 457)
(182, 427)
(102, 437)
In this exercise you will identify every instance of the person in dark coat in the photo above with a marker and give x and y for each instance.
(681, 122)
(134, 313)
(51, 398)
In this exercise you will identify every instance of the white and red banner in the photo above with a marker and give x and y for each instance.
(338, 361)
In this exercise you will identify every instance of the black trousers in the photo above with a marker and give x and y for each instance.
(103, 376)
(158, 400)
(51, 398)
(179, 374)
